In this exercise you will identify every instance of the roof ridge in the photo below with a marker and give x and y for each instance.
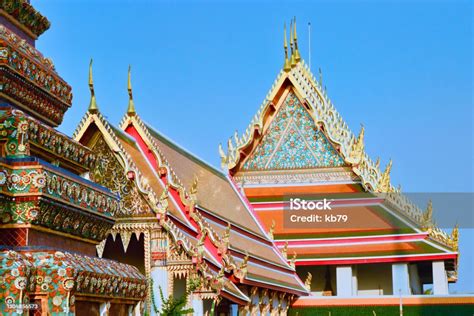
(185, 151)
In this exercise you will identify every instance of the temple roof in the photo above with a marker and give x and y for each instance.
(219, 204)
(298, 143)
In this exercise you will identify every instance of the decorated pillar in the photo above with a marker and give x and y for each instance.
(158, 271)
(440, 279)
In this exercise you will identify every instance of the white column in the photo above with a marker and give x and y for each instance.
(415, 282)
(234, 310)
(344, 280)
(440, 279)
(400, 279)
(197, 305)
(355, 282)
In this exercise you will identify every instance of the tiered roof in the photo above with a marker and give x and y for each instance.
(298, 143)
(198, 205)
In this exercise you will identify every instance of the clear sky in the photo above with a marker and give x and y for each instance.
(201, 69)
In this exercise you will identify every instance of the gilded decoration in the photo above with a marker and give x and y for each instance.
(109, 172)
(293, 141)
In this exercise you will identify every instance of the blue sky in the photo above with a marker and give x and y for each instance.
(201, 69)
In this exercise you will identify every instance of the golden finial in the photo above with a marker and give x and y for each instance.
(194, 185)
(384, 182)
(292, 46)
(272, 229)
(286, 65)
(455, 238)
(427, 218)
(307, 282)
(358, 147)
(284, 251)
(92, 105)
(131, 105)
(297, 53)
(320, 77)
(377, 163)
(293, 260)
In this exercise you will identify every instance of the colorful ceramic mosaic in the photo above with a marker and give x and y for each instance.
(16, 281)
(63, 275)
(30, 63)
(36, 179)
(293, 141)
(19, 130)
(26, 14)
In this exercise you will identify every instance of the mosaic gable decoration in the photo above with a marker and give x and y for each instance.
(293, 141)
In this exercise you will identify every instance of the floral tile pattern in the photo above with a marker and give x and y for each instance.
(62, 275)
(293, 141)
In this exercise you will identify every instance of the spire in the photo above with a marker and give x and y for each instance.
(297, 53)
(92, 105)
(131, 105)
(286, 65)
(384, 181)
(292, 45)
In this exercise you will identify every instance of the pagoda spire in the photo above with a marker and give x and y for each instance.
(286, 65)
(93, 104)
(295, 38)
(292, 45)
(131, 105)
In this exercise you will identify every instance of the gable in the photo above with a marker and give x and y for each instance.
(110, 173)
(293, 141)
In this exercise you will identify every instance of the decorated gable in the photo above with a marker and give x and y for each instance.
(110, 173)
(293, 141)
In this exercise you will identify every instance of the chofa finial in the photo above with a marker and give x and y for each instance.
(93, 104)
(286, 65)
(292, 46)
(295, 38)
(131, 105)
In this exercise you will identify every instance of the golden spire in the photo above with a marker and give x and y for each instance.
(384, 182)
(427, 217)
(297, 53)
(286, 65)
(92, 105)
(455, 238)
(292, 45)
(131, 105)
(358, 147)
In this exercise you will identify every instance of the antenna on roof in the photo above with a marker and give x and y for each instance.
(309, 45)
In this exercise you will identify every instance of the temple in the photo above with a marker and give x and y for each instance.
(115, 219)
(52, 215)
